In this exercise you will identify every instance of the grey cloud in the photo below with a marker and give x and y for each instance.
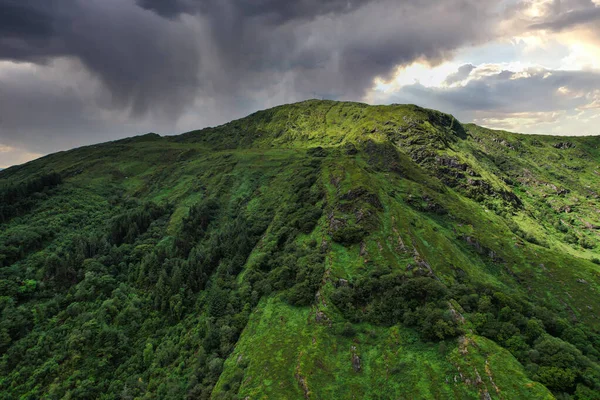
(167, 9)
(189, 63)
(26, 18)
(342, 53)
(217, 47)
(463, 73)
(41, 115)
(144, 60)
(270, 11)
(507, 92)
(566, 14)
(570, 19)
(29, 29)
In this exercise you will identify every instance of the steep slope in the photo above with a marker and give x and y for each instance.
(314, 250)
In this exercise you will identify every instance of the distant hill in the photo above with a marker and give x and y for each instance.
(314, 250)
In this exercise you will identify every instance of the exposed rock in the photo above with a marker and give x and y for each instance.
(322, 318)
(421, 154)
(425, 204)
(363, 249)
(335, 181)
(559, 191)
(456, 316)
(484, 186)
(355, 359)
(563, 145)
(364, 195)
(511, 198)
(505, 143)
(581, 280)
(302, 380)
(463, 343)
(335, 224)
(488, 372)
(359, 214)
(482, 249)
(401, 246)
(451, 162)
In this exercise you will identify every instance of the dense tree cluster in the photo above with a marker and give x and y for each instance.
(16, 199)
(386, 297)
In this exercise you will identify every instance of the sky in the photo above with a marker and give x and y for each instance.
(77, 72)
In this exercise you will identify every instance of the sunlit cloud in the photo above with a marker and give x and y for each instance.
(12, 156)
(546, 79)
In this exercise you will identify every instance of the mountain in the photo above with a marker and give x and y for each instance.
(314, 250)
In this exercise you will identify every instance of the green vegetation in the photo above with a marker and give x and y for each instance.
(313, 250)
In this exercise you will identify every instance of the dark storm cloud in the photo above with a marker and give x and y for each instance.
(275, 11)
(142, 59)
(227, 46)
(28, 28)
(189, 63)
(52, 111)
(168, 9)
(26, 18)
(337, 48)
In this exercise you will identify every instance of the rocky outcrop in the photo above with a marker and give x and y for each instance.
(426, 203)
(563, 145)
(364, 195)
(301, 379)
(355, 359)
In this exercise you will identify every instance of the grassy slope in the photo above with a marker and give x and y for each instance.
(284, 352)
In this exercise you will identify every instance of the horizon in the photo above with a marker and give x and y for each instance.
(3, 167)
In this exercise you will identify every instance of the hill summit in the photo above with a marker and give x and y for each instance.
(314, 250)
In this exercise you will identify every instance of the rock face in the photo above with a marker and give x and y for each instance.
(322, 318)
(564, 145)
(342, 282)
(355, 359)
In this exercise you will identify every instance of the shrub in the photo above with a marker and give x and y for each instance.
(347, 330)
(349, 235)
(559, 379)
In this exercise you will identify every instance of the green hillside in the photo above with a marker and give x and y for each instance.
(319, 250)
